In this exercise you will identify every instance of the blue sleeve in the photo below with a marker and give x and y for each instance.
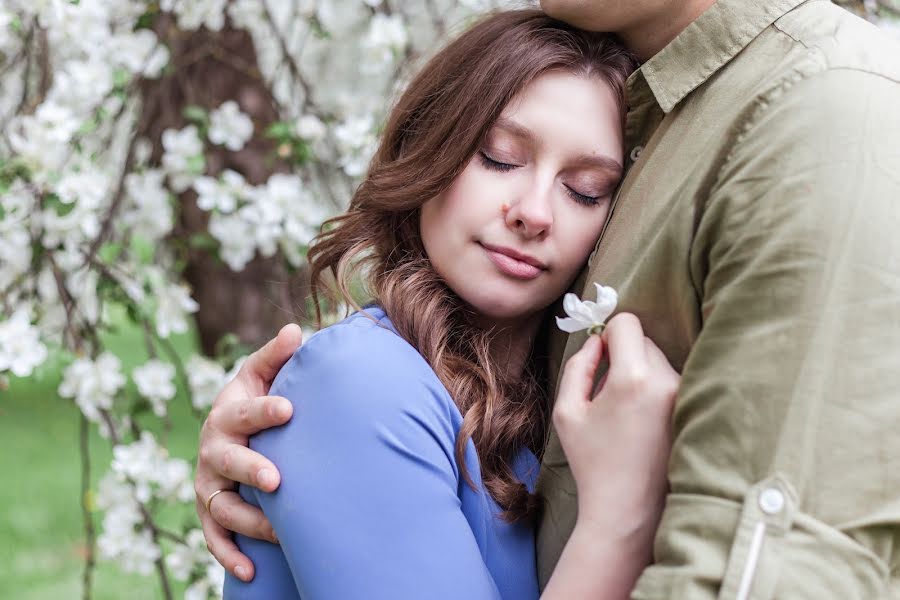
(368, 505)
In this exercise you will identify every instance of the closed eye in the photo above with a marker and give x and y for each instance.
(495, 165)
(583, 198)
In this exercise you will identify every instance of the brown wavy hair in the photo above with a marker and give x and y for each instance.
(433, 131)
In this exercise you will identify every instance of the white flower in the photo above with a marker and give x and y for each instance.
(150, 210)
(356, 142)
(206, 378)
(140, 52)
(310, 128)
(93, 384)
(21, 349)
(229, 126)
(87, 187)
(586, 314)
(221, 194)
(183, 157)
(82, 84)
(150, 470)
(42, 139)
(154, 380)
(174, 303)
(193, 14)
(185, 557)
(386, 36)
(236, 238)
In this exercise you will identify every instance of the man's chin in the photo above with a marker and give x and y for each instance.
(579, 13)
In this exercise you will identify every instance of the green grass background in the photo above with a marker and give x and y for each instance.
(42, 541)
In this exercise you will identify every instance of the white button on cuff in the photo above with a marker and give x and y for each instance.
(771, 501)
(636, 153)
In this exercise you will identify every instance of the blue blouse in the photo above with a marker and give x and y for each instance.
(372, 503)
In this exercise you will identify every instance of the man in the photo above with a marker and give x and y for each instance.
(755, 237)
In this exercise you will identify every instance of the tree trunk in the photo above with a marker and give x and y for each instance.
(212, 67)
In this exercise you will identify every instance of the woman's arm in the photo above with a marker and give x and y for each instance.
(368, 504)
(617, 443)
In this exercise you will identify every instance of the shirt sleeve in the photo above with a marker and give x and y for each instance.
(368, 506)
(785, 467)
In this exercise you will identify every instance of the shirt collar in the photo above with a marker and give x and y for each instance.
(704, 47)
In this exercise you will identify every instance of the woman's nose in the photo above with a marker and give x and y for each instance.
(531, 214)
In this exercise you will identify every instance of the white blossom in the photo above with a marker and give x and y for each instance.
(385, 38)
(93, 384)
(236, 238)
(310, 128)
(147, 466)
(174, 303)
(206, 378)
(41, 139)
(184, 558)
(21, 349)
(82, 84)
(149, 209)
(123, 536)
(229, 126)
(154, 380)
(584, 314)
(221, 194)
(357, 142)
(140, 52)
(183, 157)
(193, 14)
(88, 187)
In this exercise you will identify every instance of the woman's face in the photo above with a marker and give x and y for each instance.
(514, 229)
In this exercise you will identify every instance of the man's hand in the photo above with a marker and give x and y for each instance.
(241, 409)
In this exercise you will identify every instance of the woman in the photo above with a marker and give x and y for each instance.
(409, 467)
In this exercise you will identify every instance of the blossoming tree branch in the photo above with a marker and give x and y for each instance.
(163, 163)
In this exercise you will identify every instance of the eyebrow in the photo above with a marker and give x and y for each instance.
(585, 160)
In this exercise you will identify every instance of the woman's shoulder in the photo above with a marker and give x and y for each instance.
(363, 366)
(364, 342)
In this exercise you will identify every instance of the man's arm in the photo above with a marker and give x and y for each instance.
(785, 469)
(240, 410)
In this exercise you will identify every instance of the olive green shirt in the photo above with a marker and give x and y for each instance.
(757, 237)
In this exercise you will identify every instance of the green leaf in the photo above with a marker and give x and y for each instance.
(109, 251)
(203, 241)
(147, 20)
(195, 114)
(121, 77)
(302, 153)
(52, 202)
(196, 164)
(279, 130)
(142, 249)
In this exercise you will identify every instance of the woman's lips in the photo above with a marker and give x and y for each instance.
(511, 266)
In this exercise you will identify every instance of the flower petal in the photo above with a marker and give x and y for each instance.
(571, 325)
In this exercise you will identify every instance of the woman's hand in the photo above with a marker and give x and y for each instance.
(617, 441)
(240, 410)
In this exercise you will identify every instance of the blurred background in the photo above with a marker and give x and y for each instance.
(163, 166)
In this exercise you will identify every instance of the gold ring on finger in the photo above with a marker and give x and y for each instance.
(213, 495)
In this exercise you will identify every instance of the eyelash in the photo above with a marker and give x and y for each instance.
(495, 165)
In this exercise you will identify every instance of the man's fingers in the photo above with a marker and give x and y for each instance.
(578, 375)
(265, 363)
(223, 548)
(230, 511)
(241, 464)
(250, 415)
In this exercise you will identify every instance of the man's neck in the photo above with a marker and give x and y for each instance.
(647, 37)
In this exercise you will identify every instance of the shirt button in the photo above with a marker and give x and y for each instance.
(771, 501)
(636, 153)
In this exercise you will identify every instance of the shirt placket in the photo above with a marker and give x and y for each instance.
(642, 118)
